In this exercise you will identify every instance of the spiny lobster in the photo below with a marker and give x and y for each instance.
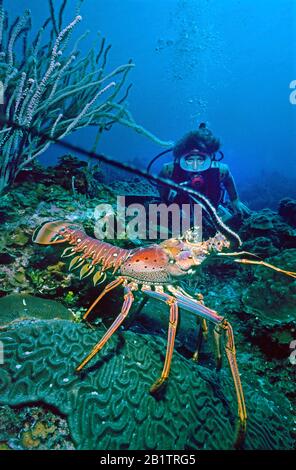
(156, 269)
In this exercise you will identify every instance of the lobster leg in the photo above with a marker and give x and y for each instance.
(128, 300)
(136, 312)
(194, 306)
(109, 287)
(205, 329)
(141, 306)
(170, 344)
(221, 325)
(231, 356)
(202, 335)
(217, 346)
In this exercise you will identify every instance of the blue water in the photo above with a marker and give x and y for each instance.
(228, 63)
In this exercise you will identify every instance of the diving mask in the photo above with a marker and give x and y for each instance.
(195, 161)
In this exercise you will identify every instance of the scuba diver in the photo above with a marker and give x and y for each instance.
(196, 166)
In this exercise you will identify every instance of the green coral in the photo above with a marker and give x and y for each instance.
(109, 406)
(33, 427)
(261, 246)
(20, 306)
(272, 297)
(69, 297)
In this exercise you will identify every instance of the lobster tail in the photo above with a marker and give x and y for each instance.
(88, 252)
(50, 233)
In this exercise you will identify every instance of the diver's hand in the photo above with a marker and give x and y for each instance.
(240, 208)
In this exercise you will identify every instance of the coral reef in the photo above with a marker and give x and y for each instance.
(287, 209)
(268, 224)
(261, 221)
(270, 305)
(262, 246)
(70, 173)
(109, 406)
(50, 89)
(272, 297)
(33, 427)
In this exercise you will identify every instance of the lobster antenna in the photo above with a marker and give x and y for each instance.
(239, 253)
(267, 265)
(217, 221)
(199, 198)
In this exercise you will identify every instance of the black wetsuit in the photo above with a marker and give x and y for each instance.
(211, 183)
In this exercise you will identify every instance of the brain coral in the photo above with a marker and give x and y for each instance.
(109, 406)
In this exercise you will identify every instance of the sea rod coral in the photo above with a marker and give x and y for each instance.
(48, 87)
